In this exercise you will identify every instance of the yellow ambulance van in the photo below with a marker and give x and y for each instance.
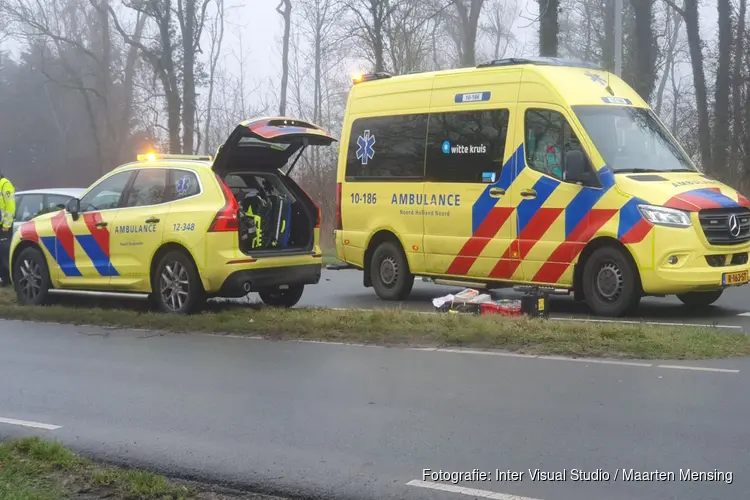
(530, 172)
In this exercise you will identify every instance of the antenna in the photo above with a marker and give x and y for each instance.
(609, 89)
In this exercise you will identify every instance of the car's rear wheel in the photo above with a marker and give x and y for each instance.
(31, 278)
(176, 284)
(389, 272)
(700, 299)
(288, 297)
(611, 283)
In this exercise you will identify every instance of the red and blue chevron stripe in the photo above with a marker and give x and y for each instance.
(62, 245)
(699, 199)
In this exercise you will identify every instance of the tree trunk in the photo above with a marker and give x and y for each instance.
(548, 27)
(608, 50)
(645, 49)
(699, 81)
(736, 92)
(128, 81)
(287, 14)
(215, 53)
(676, 24)
(721, 139)
(377, 10)
(188, 78)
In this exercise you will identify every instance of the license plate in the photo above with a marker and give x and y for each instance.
(738, 278)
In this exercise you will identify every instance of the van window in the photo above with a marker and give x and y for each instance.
(467, 146)
(387, 147)
(548, 138)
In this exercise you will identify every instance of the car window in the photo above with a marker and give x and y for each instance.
(149, 188)
(467, 146)
(53, 202)
(19, 200)
(183, 184)
(387, 147)
(106, 195)
(31, 205)
(548, 138)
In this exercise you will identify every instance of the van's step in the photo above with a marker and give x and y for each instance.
(442, 281)
(339, 267)
(549, 290)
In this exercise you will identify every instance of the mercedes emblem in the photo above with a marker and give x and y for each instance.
(734, 226)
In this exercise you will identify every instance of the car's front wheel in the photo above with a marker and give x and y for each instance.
(176, 284)
(700, 299)
(288, 297)
(31, 278)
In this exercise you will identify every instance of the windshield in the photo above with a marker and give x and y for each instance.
(632, 140)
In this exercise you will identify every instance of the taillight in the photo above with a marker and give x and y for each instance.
(227, 219)
(339, 223)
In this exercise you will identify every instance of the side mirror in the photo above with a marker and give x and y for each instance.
(576, 169)
(74, 207)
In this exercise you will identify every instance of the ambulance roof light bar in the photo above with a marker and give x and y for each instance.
(540, 61)
(367, 77)
(160, 156)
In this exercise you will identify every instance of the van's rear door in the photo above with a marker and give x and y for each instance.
(267, 144)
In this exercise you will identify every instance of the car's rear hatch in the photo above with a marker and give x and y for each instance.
(263, 147)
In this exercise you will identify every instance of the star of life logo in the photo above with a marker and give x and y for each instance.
(365, 149)
(596, 78)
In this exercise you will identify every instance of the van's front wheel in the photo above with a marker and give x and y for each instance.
(610, 283)
(389, 272)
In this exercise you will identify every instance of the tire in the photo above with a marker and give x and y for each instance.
(389, 272)
(176, 285)
(31, 279)
(611, 284)
(700, 299)
(282, 298)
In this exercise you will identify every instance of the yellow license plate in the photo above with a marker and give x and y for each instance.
(738, 278)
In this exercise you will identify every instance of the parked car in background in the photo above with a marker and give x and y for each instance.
(32, 203)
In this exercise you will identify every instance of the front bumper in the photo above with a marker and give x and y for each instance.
(695, 266)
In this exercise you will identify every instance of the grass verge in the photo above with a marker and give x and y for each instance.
(401, 327)
(33, 469)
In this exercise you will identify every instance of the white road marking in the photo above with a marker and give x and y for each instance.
(698, 368)
(574, 360)
(26, 423)
(657, 323)
(599, 361)
(466, 491)
(744, 314)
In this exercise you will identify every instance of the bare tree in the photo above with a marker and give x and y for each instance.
(673, 26)
(285, 10)
(548, 27)
(721, 138)
(370, 18)
(738, 127)
(468, 17)
(690, 13)
(499, 26)
(216, 31)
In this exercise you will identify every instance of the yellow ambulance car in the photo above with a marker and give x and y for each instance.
(531, 172)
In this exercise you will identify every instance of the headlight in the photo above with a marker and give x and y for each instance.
(663, 216)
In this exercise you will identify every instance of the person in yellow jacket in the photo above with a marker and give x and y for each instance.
(7, 215)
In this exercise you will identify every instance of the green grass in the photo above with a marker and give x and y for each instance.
(33, 469)
(402, 327)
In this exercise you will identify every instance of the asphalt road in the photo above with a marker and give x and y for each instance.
(344, 289)
(346, 422)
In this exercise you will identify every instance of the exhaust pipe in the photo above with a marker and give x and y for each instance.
(246, 287)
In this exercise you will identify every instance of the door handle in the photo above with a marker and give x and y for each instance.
(101, 224)
(528, 193)
(497, 192)
(152, 220)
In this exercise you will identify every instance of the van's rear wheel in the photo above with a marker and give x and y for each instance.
(610, 283)
(700, 299)
(176, 284)
(282, 298)
(389, 272)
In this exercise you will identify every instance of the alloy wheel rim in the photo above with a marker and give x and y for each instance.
(30, 283)
(174, 286)
(609, 281)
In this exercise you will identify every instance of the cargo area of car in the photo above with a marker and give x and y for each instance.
(276, 216)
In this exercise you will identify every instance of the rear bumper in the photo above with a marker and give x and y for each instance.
(270, 277)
